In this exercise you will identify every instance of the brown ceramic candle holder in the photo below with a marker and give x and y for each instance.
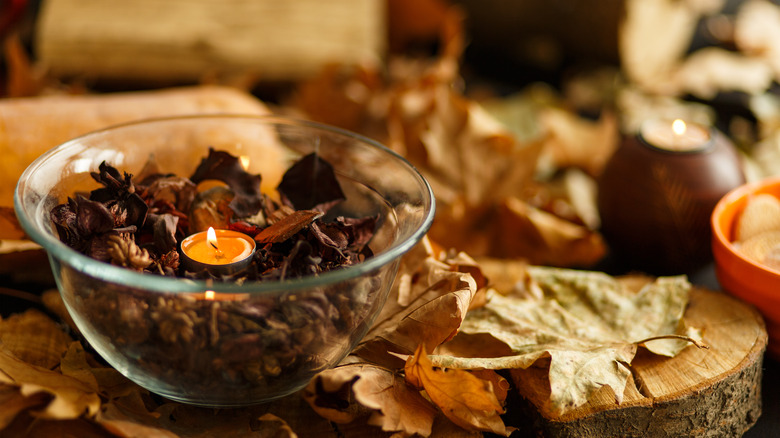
(655, 200)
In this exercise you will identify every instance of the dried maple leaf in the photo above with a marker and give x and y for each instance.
(467, 400)
(347, 392)
(587, 323)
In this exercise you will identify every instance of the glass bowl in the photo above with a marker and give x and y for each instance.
(215, 343)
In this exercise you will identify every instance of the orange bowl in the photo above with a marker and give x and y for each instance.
(752, 282)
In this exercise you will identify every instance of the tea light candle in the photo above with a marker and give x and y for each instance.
(218, 251)
(676, 136)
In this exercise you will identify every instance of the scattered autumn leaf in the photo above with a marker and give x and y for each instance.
(71, 397)
(544, 238)
(467, 400)
(34, 338)
(711, 70)
(347, 392)
(647, 54)
(427, 304)
(588, 323)
(12, 402)
(576, 142)
(757, 31)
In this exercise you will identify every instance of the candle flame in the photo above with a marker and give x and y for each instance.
(209, 295)
(678, 126)
(211, 238)
(244, 160)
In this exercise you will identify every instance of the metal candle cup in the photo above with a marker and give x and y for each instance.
(226, 252)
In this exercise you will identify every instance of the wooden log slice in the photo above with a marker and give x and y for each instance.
(700, 392)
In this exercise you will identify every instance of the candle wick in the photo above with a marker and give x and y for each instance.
(219, 253)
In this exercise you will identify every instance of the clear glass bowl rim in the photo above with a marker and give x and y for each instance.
(116, 274)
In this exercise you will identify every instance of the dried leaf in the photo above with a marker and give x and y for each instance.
(757, 31)
(711, 70)
(288, 226)
(71, 397)
(545, 239)
(311, 184)
(74, 364)
(275, 427)
(467, 400)
(575, 142)
(224, 167)
(12, 402)
(347, 392)
(587, 323)
(427, 304)
(34, 338)
(647, 54)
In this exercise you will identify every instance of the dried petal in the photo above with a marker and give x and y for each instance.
(225, 167)
(311, 184)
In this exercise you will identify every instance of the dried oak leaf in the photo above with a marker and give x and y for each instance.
(311, 184)
(344, 393)
(427, 304)
(222, 166)
(587, 323)
(467, 400)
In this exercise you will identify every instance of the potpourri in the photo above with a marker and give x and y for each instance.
(232, 346)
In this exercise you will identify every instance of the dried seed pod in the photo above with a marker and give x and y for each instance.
(124, 252)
